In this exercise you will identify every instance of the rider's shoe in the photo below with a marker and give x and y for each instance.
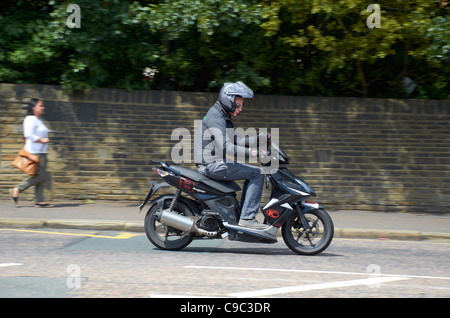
(252, 224)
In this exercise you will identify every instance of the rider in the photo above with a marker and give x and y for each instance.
(216, 138)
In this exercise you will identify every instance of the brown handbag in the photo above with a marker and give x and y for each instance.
(26, 162)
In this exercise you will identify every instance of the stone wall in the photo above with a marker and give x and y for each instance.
(375, 154)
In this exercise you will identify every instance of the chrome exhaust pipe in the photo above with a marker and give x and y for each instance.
(181, 222)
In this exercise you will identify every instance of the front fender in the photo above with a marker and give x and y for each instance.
(307, 206)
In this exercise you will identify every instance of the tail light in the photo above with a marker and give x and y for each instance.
(162, 173)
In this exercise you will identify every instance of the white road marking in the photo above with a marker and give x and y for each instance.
(373, 279)
(292, 289)
(315, 271)
(301, 288)
(10, 264)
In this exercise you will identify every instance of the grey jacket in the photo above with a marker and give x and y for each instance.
(216, 138)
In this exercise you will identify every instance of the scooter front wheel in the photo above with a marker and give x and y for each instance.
(312, 241)
(166, 237)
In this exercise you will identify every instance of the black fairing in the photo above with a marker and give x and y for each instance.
(284, 179)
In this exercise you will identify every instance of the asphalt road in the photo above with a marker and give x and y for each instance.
(78, 263)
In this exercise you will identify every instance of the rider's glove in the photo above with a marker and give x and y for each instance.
(263, 154)
(264, 139)
(253, 152)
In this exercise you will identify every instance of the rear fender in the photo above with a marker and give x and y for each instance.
(159, 201)
(155, 187)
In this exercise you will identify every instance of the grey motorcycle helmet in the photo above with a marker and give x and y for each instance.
(229, 91)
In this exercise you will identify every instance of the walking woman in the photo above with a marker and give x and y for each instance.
(36, 136)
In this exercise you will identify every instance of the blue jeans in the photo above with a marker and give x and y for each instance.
(253, 186)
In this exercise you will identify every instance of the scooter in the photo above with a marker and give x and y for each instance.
(209, 209)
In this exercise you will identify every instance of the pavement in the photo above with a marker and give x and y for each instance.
(125, 216)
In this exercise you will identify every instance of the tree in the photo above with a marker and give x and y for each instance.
(339, 49)
(316, 47)
(21, 23)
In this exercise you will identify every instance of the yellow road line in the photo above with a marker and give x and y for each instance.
(121, 236)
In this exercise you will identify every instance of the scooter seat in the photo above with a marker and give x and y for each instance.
(222, 186)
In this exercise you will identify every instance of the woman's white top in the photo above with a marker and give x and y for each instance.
(33, 130)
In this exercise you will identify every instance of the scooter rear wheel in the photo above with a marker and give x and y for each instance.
(302, 242)
(166, 237)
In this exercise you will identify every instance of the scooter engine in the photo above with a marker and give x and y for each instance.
(209, 223)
